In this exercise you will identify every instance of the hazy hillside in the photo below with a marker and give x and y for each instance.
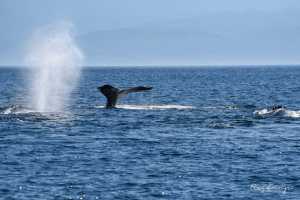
(228, 38)
(216, 38)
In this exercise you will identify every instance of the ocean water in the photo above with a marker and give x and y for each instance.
(201, 133)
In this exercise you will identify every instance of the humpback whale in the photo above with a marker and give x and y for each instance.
(112, 94)
(277, 107)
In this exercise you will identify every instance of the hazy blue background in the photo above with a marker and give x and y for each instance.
(168, 32)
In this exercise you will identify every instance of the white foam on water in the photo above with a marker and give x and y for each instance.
(55, 62)
(151, 107)
(283, 112)
(16, 110)
(292, 114)
(7, 111)
(270, 187)
(262, 112)
(21, 113)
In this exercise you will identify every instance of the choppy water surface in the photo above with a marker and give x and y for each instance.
(199, 134)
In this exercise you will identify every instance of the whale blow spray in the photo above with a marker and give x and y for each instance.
(55, 62)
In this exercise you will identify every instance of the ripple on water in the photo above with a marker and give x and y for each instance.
(176, 142)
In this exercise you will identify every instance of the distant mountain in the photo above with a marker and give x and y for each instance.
(218, 39)
(144, 45)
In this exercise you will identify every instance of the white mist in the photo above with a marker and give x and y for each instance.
(55, 61)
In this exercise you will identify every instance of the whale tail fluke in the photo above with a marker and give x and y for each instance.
(112, 94)
(134, 89)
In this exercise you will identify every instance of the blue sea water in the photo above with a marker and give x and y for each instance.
(201, 133)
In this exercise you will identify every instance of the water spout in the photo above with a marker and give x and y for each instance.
(55, 62)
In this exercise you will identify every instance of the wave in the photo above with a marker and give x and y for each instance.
(15, 109)
(152, 107)
(281, 112)
(21, 113)
(292, 113)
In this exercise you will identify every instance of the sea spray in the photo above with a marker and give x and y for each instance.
(55, 62)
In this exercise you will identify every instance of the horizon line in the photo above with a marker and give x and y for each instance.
(168, 65)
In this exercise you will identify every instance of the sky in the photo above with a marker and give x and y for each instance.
(156, 32)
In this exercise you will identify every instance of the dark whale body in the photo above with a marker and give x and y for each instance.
(112, 94)
(277, 107)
